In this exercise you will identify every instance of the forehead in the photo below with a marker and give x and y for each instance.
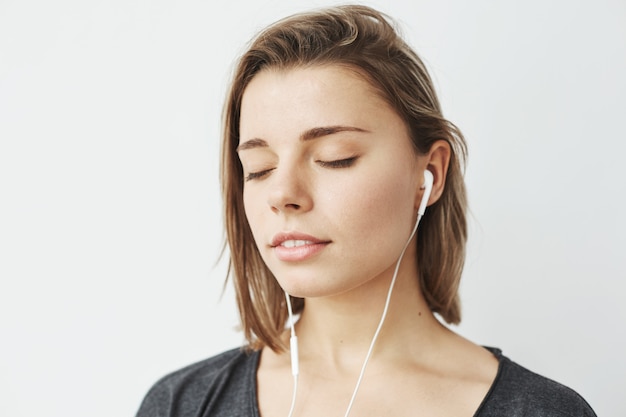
(309, 97)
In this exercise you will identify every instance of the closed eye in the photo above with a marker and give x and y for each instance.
(258, 174)
(340, 163)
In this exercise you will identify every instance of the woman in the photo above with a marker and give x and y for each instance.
(334, 142)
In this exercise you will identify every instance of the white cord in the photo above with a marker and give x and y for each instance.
(382, 319)
(293, 347)
(293, 397)
(294, 339)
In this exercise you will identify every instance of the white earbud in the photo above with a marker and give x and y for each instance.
(428, 187)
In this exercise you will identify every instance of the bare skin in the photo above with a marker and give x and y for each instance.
(418, 367)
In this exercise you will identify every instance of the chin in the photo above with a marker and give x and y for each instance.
(302, 290)
(312, 287)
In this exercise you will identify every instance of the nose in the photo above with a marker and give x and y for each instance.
(289, 191)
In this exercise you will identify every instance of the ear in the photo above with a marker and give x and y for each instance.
(436, 161)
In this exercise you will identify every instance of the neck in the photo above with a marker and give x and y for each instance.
(338, 330)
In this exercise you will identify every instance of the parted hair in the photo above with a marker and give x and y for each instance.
(363, 39)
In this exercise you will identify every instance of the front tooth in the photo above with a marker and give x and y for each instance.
(295, 243)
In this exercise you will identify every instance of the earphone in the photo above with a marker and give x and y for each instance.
(428, 188)
(293, 341)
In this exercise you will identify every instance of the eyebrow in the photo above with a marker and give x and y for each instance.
(310, 134)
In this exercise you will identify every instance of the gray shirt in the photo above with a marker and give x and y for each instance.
(225, 386)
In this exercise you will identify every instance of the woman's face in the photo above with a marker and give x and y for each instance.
(331, 179)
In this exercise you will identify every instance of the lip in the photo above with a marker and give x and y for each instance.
(295, 246)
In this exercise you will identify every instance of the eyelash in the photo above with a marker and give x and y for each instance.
(255, 175)
(340, 163)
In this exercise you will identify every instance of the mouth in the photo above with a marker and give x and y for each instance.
(294, 240)
(296, 243)
(295, 247)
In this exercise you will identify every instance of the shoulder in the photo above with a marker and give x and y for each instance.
(516, 391)
(225, 380)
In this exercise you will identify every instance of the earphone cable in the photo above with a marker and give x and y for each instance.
(382, 319)
(293, 347)
(294, 339)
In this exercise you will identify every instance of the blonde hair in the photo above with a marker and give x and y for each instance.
(361, 38)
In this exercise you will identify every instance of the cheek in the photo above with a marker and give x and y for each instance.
(252, 206)
(379, 203)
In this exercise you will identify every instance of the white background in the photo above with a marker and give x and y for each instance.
(109, 199)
